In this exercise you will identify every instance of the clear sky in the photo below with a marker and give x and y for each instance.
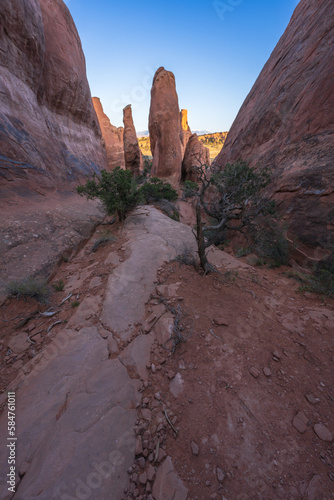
(216, 49)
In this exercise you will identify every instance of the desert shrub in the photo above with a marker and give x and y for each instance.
(29, 287)
(146, 170)
(156, 189)
(76, 303)
(101, 242)
(58, 285)
(169, 209)
(186, 256)
(234, 204)
(190, 189)
(271, 243)
(175, 215)
(243, 251)
(117, 191)
(322, 279)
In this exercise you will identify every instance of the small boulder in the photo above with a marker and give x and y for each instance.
(220, 474)
(322, 432)
(300, 422)
(194, 448)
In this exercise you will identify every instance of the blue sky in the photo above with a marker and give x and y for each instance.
(216, 49)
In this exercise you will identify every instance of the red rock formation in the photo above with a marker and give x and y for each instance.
(185, 130)
(196, 154)
(287, 123)
(132, 153)
(112, 136)
(49, 133)
(164, 128)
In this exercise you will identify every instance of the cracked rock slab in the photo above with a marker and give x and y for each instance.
(137, 354)
(168, 485)
(75, 419)
(151, 243)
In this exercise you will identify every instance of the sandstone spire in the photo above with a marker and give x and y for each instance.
(132, 154)
(112, 136)
(196, 155)
(185, 130)
(164, 128)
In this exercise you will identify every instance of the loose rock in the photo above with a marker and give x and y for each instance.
(194, 448)
(300, 422)
(220, 474)
(322, 432)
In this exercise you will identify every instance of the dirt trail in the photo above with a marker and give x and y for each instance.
(167, 384)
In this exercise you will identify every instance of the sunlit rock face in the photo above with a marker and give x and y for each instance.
(49, 134)
(112, 136)
(132, 153)
(164, 128)
(287, 123)
(185, 130)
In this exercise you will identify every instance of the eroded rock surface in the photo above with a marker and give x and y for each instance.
(151, 243)
(49, 133)
(196, 155)
(112, 136)
(286, 122)
(75, 419)
(132, 153)
(164, 128)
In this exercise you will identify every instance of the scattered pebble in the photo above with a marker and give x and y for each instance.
(146, 414)
(300, 422)
(267, 371)
(219, 321)
(139, 446)
(276, 355)
(194, 448)
(143, 478)
(322, 432)
(220, 474)
(254, 371)
(312, 399)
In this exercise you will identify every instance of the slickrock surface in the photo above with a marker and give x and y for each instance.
(132, 153)
(153, 242)
(49, 133)
(112, 136)
(164, 128)
(287, 123)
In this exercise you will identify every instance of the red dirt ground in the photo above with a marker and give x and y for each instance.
(242, 423)
(241, 418)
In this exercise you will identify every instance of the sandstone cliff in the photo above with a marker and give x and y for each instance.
(164, 128)
(287, 123)
(49, 133)
(112, 136)
(132, 153)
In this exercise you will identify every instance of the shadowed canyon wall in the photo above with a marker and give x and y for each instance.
(287, 123)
